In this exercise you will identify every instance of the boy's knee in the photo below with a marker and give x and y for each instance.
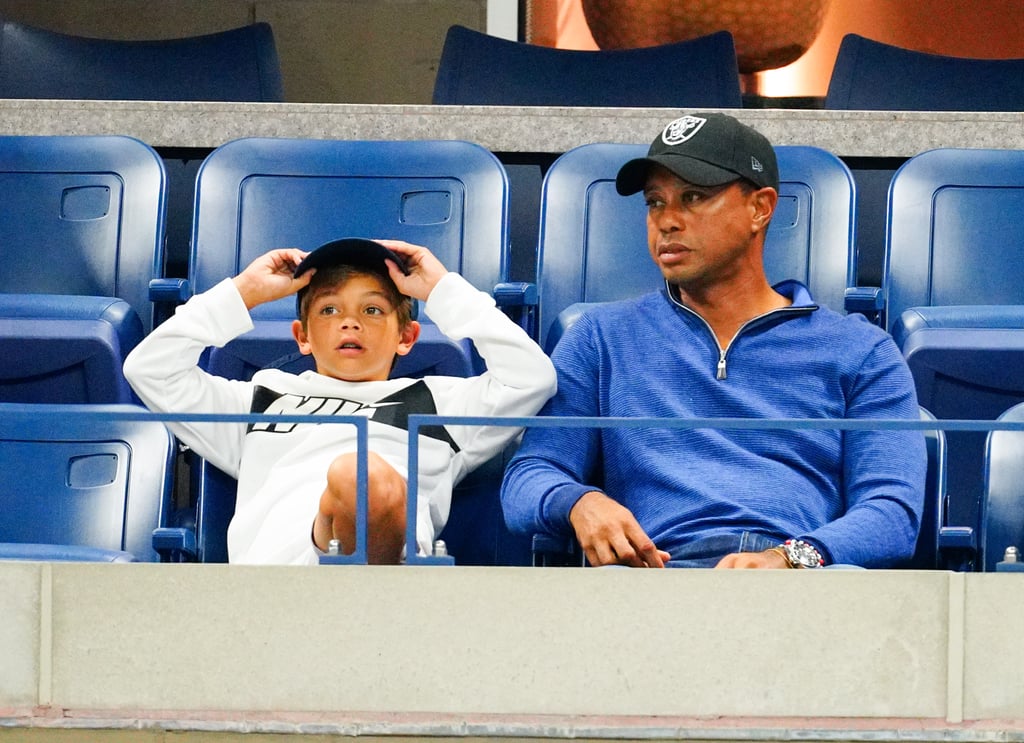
(386, 487)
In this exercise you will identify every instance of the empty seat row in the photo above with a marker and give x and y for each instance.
(82, 235)
(474, 68)
(478, 69)
(240, 64)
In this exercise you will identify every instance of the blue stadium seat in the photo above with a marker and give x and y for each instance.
(81, 238)
(953, 286)
(254, 194)
(871, 75)
(593, 241)
(1002, 523)
(240, 64)
(479, 69)
(81, 483)
(257, 194)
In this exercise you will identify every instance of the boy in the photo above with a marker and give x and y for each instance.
(296, 482)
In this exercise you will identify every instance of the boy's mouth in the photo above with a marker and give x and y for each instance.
(350, 347)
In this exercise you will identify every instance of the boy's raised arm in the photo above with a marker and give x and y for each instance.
(270, 277)
(423, 269)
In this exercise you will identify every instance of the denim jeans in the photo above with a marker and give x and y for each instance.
(706, 552)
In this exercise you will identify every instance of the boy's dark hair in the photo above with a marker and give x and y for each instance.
(329, 277)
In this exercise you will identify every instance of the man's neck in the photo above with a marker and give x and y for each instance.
(725, 308)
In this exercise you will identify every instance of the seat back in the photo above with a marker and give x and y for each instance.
(593, 241)
(81, 484)
(1002, 523)
(253, 195)
(953, 284)
(240, 64)
(81, 236)
(953, 233)
(871, 75)
(479, 69)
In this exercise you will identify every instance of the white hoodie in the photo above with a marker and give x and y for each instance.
(281, 468)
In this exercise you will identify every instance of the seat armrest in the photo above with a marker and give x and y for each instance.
(865, 300)
(175, 544)
(169, 290)
(958, 548)
(166, 294)
(515, 293)
(518, 299)
(552, 551)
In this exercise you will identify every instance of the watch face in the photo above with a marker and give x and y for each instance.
(803, 554)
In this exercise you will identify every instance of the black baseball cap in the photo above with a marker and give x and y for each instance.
(351, 251)
(358, 252)
(707, 150)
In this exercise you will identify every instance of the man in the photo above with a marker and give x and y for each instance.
(718, 341)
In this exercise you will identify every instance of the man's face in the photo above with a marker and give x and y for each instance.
(352, 330)
(699, 236)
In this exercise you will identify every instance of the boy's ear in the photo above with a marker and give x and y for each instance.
(301, 338)
(407, 337)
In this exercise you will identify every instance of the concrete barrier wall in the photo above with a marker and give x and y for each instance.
(436, 645)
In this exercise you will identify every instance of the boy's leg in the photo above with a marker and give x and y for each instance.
(386, 520)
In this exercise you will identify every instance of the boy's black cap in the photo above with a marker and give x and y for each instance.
(707, 150)
(348, 251)
(351, 251)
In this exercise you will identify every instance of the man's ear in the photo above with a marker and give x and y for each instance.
(301, 338)
(407, 337)
(764, 201)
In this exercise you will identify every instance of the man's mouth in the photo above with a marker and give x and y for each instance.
(673, 252)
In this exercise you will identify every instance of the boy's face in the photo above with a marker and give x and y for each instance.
(352, 330)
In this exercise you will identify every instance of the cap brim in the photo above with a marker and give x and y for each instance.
(351, 251)
(632, 176)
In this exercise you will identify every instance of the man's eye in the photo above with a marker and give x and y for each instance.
(653, 203)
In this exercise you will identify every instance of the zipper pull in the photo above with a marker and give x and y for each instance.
(721, 366)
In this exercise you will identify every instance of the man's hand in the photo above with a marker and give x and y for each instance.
(741, 560)
(610, 535)
(269, 277)
(425, 270)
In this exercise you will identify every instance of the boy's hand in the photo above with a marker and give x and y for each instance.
(424, 269)
(269, 277)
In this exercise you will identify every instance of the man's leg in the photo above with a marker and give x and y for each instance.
(386, 520)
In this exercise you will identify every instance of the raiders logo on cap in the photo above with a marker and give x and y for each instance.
(682, 129)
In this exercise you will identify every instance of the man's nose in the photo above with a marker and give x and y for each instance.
(669, 220)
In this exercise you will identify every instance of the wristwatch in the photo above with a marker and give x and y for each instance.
(800, 554)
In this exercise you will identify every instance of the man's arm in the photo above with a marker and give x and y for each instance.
(546, 488)
(883, 470)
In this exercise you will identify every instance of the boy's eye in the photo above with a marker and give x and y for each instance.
(328, 309)
(374, 311)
